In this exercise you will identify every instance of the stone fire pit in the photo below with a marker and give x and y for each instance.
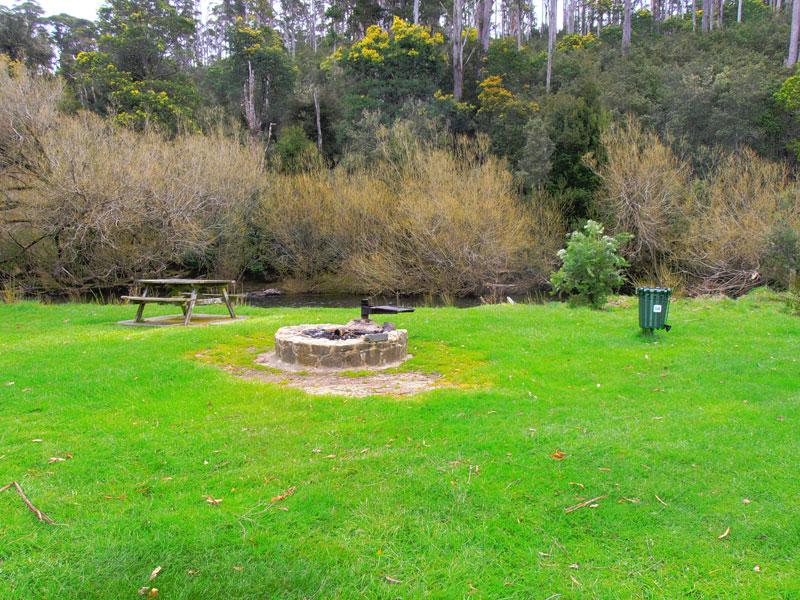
(357, 345)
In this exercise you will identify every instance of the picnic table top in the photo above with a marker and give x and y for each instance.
(180, 282)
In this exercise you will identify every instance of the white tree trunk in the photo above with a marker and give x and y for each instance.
(791, 59)
(626, 29)
(253, 122)
(485, 22)
(416, 12)
(552, 25)
(319, 119)
(458, 49)
(739, 12)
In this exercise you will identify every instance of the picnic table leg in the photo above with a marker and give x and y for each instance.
(190, 307)
(140, 310)
(228, 303)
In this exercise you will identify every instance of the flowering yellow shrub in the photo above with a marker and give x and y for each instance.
(493, 97)
(576, 41)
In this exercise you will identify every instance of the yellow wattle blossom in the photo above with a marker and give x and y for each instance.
(402, 29)
(493, 96)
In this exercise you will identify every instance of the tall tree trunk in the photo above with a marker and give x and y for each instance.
(694, 15)
(416, 12)
(552, 25)
(704, 21)
(569, 11)
(485, 22)
(791, 59)
(739, 12)
(318, 117)
(458, 49)
(545, 12)
(720, 9)
(249, 100)
(626, 29)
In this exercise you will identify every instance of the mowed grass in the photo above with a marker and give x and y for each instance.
(448, 494)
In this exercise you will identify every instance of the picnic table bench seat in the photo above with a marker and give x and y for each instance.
(156, 299)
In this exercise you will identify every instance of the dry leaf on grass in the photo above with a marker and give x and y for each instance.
(746, 501)
(585, 503)
(724, 534)
(284, 495)
(574, 566)
(575, 483)
(757, 569)
(392, 579)
(662, 502)
(55, 459)
(558, 455)
(154, 573)
(213, 501)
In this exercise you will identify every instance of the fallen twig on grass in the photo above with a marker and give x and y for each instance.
(662, 502)
(18, 488)
(584, 504)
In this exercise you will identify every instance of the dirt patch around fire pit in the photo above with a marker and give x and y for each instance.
(431, 365)
(373, 384)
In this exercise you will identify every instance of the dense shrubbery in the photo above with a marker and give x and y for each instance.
(88, 203)
(717, 234)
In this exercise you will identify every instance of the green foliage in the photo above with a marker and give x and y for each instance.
(592, 266)
(793, 302)
(576, 41)
(23, 35)
(386, 69)
(150, 39)
(533, 165)
(503, 115)
(71, 36)
(136, 73)
(575, 123)
(295, 151)
(781, 261)
(520, 69)
(102, 87)
(260, 50)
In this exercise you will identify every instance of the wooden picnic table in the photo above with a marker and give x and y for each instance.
(187, 293)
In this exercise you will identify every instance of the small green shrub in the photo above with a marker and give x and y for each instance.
(295, 152)
(592, 266)
(781, 258)
(794, 295)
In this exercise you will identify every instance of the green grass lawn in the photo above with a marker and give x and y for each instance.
(447, 494)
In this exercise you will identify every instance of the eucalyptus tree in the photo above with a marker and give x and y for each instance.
(23, 35)
(552, 25)
(794, 36)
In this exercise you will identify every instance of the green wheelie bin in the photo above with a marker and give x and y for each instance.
(653, 308)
